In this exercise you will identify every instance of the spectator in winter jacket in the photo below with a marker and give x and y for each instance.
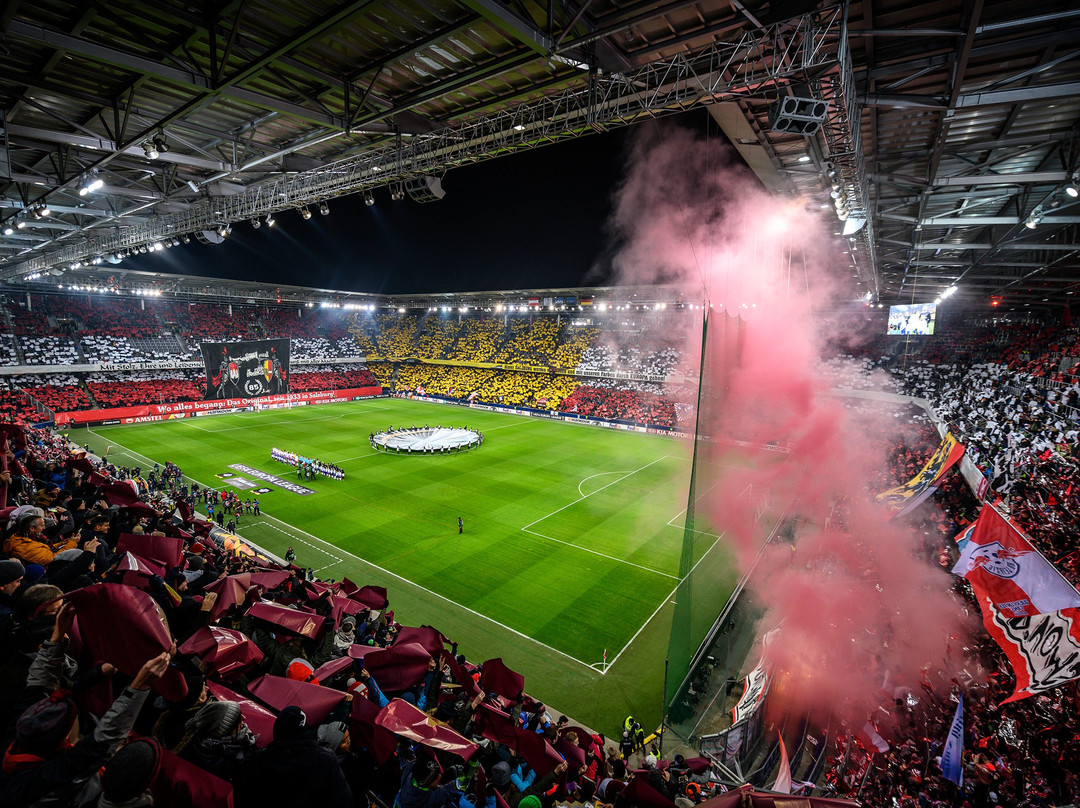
(43, 765)
(293, 770)
(28, 543)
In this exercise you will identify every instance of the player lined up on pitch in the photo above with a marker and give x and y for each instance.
(307, 468)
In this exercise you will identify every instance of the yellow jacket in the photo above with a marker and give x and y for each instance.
(30, 551)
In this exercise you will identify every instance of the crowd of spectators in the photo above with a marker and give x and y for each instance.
(395, 334)
(636, 356)
(49, 350)
(437, 334)
(8, 354)
(60, 392)
(131, 388)
(311, 378)
(620, 404)
(531, 341)
(105, 349)
(478, 340)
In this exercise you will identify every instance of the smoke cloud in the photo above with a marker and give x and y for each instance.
(859, 610)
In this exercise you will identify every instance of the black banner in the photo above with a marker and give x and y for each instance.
(246, 369)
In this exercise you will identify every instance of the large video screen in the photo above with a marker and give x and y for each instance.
(917, 318)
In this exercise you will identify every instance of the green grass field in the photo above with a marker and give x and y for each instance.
(571, 547)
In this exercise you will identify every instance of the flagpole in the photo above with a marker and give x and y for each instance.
(663, 709)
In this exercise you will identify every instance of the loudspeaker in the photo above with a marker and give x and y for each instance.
(425, 189)
(801, 116)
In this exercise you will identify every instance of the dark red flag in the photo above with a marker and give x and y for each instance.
(431, 639)
(124, 626)
(305, 624)
(641, 794)
(278, 692)
(223, 652)
(495, 677)
(381, 742)
(407, 720)
(374, 597)
(333, 668)
(398, 667)
(180, 784)
(536, 751)
(164, 550)
(460, 675)
(231, 591)
(495, 725)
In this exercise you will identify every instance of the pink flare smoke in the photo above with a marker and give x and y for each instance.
(860, 611)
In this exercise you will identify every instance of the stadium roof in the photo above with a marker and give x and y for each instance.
(952, 127)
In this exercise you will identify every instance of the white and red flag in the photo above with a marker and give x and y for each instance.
(1006, 570)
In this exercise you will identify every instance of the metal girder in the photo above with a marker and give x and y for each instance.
(522, 29)
(101, 144)
(176, 75)
(809, 44)
(984, 221)
(1020, 178)
(1039, 92)
(1025, 246)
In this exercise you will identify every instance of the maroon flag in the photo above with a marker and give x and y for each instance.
(495, 677)
(164, 550)
(305, 624)
(407, 720)
(231, 591)
(333, 668)
(223, 651)
(461, 676)
(130, 562)
(573, 754)
(643, 795)
(343, 606)
(374, 597)
(348, 587)
(536, 751)
(124, 626)
(428, 637)
(180, 784)
(278, 692)
(381, 742)
(398, 667)
(257, 717)
(269, 579)
(495, 725)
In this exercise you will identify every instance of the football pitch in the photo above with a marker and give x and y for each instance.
(570, 556)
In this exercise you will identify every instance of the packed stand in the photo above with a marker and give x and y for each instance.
(358, 329)
(8, 354)
(14, 406)
(330, 377)
(395, 334)
(478, 340)
(60, 392)
(212, 321)
(50, 350)
(258, 685)
(290, 322)
(531, 341)
(131, 388)
(108, 315)
(635, 357)
(107, 349)
(437, 335)
(32, 321)
(620, 404)
(575, 341)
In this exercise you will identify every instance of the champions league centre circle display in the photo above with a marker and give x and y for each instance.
(426, 439)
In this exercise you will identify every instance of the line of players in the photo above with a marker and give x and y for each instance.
(307, 468)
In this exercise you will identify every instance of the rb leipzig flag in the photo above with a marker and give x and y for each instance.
(1004, 568)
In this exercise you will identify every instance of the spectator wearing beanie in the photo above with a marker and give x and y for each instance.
(170, 727)
(292, 770)
(128, 776)
(42, 765)
(11, 576)
(217, 739)
(420, 787)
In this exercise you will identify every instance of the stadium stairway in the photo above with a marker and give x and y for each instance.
(94, 404)
(9, 327)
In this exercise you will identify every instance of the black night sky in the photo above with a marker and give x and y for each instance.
(531, 220)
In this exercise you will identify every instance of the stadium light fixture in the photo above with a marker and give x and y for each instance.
(305, 213)
(8, 230)
(270, 220)
(256, 224)
(150, 150)
(1033, 220)
(1072, 187)
(160, 144)
(369, 199)
(186, 239)
(324, 209)
(805, 158)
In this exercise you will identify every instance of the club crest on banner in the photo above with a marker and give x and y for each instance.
(996, 560)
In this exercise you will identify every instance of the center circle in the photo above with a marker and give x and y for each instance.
(426, 439)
